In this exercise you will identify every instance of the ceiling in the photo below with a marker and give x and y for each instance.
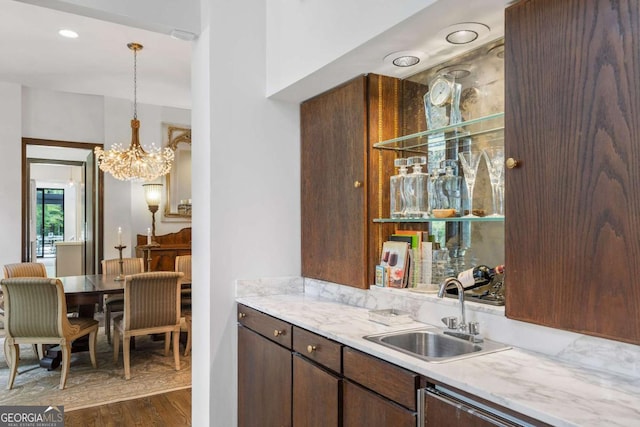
(98, 62)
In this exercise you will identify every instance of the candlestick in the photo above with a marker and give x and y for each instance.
(148, 236)
(120, 276)
(119, 236)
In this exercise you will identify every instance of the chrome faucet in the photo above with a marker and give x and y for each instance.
(452, 322)
(462, 325)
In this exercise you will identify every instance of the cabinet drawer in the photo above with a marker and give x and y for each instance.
(382, 377)
(317, 348)
(274, 329)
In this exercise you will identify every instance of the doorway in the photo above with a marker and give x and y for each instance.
(61, 206)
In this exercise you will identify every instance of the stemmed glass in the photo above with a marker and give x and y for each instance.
(494, 156)
(470, 161)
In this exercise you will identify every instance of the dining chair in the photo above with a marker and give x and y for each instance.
(115, 303)
(22, 269)
(36, 313)
(183, 265)
(151, 306)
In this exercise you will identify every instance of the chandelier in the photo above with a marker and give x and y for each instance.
(135, 163)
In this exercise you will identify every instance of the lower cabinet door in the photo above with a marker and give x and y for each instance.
(361, 407)
(316, 395)
(264, 381)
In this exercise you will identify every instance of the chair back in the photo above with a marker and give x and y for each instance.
(25, 269)
(111, 267)
(183, 265)
(152, 300)
(34, 307)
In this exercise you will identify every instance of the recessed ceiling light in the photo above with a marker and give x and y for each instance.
(404, 58)
(406, 61)
(70, 34)
(461, 36)
(464, 32)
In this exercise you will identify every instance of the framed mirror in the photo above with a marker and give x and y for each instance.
(178, 180)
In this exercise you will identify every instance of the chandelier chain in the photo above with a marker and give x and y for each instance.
(135, 84)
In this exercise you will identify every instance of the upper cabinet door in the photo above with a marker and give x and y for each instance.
(333, 160)
(572, 120)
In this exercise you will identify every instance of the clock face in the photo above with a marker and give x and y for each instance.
(440, 91)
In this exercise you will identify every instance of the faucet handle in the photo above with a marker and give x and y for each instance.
(451, 322)
(474, 328)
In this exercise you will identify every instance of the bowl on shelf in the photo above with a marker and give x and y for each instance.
(444, 213)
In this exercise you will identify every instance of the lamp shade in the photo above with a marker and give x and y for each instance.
(152, 194)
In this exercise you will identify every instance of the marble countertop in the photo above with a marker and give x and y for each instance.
(552, 391)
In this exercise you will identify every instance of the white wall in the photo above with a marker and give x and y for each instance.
(248, 179)
(10, 172)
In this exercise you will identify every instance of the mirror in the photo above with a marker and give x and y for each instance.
(178, 180)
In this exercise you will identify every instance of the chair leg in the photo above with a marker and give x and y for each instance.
(126, 350)
(176, 348)
(107, 322)
(167, 343)
(7, 350)
(14, 355)
(93, 336)
(116, 345)
(66, 362)
(187, 347)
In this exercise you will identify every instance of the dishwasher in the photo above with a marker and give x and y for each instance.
(439, 406)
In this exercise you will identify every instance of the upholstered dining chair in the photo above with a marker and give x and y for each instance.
(115, 303)
(36, 313)
(183, 265)
(151, 306)
(22, 269)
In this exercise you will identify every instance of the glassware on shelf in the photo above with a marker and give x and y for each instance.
(494, 156)
(470, 161)
(398, 202)
(448, 188)
(416, 186)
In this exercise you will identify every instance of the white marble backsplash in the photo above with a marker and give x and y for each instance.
(269, 286)
(583, 350)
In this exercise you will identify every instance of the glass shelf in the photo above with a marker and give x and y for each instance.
(450, 219)
(490, 127)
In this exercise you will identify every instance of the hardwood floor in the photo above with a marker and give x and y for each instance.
(171, 409)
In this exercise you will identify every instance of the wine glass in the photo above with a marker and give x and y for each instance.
(494, 156)
(470, 161)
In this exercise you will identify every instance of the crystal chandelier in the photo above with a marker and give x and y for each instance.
(135, 163)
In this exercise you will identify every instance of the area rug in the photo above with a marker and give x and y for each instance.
(151, 373)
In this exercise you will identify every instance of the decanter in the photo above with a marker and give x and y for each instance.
(416, 189)
(398, 203)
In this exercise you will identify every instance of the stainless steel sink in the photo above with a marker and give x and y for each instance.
(432, 345)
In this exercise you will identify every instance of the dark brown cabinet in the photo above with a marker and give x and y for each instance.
(571, 120)
(286, 375)
(317, 381)
(264, 370)
(340, 177)
(377, 393)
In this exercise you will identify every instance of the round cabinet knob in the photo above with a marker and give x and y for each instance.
(277, 333)
(311, 348)
(241, 316)
(512, 163)
(357, 184)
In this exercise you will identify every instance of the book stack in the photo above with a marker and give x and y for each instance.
(405, 261)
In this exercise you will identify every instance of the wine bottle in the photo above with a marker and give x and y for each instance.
(480, 275)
